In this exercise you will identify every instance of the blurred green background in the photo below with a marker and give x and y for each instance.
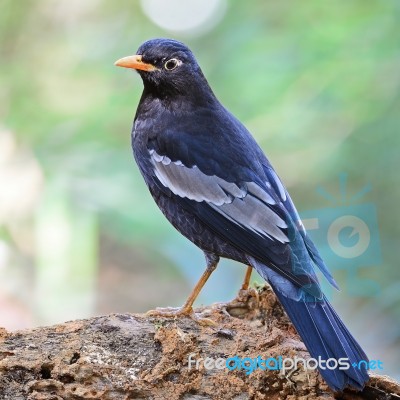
(317, 83)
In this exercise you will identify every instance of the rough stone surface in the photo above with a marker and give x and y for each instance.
(131, 356)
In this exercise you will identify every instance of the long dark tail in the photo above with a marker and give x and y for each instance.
(325, 335)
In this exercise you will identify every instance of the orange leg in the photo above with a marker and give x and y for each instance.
(187, 308)
(247, 277)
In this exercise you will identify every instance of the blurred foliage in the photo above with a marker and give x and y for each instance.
(317, 84)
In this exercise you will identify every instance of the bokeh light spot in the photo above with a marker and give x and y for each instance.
(188, 16)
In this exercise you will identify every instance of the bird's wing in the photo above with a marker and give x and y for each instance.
(249, 215)
(244, 204)
(291, 209)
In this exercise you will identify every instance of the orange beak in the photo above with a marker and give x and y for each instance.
(134, 62)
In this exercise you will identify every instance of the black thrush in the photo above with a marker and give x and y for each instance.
(214, 184)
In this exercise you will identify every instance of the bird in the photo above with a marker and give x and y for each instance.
(215, 185)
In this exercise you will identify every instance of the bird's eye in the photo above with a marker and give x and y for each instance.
(172, 64)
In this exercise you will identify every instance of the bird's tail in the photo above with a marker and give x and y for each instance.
(326, 336)
(322, 331)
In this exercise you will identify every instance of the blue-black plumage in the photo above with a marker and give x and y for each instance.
(215, 185)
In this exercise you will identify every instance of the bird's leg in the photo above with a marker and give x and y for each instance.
(246, 291)
(246, 299)
(246, 282)
(187, 309)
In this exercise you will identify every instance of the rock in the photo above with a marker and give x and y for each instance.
(132, 356)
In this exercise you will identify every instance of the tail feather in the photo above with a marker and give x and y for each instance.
(325, 335)
(319, 262)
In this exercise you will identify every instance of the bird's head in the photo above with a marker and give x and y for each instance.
(167, 68)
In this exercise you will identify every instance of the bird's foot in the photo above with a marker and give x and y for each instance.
(176, 312)
(247, 300)
(246, 296)
(171, 312)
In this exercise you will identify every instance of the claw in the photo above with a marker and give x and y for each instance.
(171, 312)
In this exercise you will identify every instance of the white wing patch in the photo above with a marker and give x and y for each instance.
(193, 184)
(246, 206)
(256, 216)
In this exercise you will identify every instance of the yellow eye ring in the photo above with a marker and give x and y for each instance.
(172, 63)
